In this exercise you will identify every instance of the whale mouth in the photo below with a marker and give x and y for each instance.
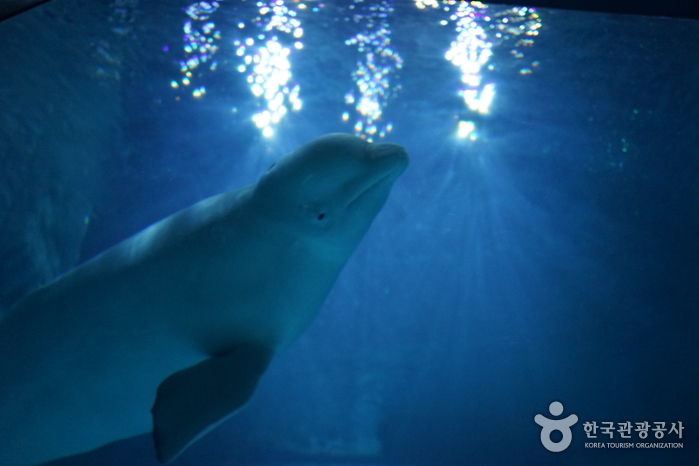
(361, 198)
(376, 190)
(389, 161)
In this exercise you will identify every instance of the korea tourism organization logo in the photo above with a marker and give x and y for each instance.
(561, 425)
(628, 434)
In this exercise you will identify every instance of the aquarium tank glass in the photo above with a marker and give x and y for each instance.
(529, 292)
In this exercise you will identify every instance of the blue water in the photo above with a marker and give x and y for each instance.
(553, 257)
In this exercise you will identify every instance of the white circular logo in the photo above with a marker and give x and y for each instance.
(561, 425)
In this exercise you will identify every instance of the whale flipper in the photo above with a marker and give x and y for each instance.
(194, 400)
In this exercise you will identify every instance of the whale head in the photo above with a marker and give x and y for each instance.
(329, 190)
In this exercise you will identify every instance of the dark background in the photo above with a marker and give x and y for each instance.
(555, 258)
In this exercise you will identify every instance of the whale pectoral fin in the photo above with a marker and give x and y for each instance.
(194, 400)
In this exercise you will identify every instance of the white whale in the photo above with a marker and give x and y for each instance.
(185, 316)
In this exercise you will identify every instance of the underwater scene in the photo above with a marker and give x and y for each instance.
(497, 263)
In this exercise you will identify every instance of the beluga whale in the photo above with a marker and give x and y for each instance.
(170, 330)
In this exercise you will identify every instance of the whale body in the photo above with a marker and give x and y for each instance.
(170, 330)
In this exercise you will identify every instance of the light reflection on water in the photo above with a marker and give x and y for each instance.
(266, 42)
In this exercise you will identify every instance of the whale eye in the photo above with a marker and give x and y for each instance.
(271, 166)
(321, 216)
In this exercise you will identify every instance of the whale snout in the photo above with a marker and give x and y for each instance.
(386, 162)
(388, 150)
(392, 157)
